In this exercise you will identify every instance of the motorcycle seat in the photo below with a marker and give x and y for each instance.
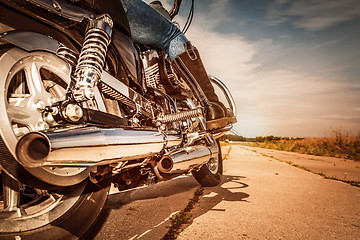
(114, 8)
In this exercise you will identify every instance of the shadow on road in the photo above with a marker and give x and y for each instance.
(229, 190)
(122, 199)
(161, 189)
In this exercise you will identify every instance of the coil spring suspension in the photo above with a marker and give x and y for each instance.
(181, 116)
(92, 57)
(67, 54)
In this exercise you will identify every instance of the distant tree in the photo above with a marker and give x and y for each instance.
(231, 137)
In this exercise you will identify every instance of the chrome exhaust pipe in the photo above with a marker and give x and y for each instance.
(32, 149)
(90, 146)
(187, 158)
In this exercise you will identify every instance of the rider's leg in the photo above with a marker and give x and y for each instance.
(150, 28)
(190, 66)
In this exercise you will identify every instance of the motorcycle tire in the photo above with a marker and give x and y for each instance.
(71, 224)
(210, 174)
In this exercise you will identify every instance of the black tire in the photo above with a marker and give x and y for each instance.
(208, 178)
(73, 223)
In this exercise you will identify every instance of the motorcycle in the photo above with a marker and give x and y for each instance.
(82, 107)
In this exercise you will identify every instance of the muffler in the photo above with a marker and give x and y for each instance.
(187, 158)
(90, 146)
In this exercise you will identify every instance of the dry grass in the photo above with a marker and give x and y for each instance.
(340, 145)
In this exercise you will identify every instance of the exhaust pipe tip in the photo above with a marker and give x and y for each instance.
(165, 164)
(32, 149)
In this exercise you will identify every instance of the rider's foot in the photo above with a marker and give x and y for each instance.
(219, 116)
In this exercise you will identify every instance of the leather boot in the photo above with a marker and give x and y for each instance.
(192, 70)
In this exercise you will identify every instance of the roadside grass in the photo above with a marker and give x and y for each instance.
(183, 217)
(339, 145)
(353, 183)
(223, 144)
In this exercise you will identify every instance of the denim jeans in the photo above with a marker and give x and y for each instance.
(150, 28)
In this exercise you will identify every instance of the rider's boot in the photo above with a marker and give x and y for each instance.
(192, 70)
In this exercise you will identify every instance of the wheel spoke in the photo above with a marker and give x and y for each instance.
(32, 70)
(25, 116)
(21, 114)
(24, 109)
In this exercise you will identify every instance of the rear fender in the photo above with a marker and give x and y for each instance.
(30, 41)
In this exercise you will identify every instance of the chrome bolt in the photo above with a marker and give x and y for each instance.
(57, 6)
(40, 105)
(89, 93)
(83, 93)
(48, 118)
(74, 112)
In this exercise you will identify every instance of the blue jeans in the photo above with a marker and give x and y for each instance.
(150, 28)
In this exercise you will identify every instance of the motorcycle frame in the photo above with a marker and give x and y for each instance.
(36, 40)
(68, 29)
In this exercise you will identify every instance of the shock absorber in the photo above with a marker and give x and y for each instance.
(67, 54)
(92, 57)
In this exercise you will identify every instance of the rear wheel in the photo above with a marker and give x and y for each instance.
(65, 213)
(44, 202)
(210, 174)
(30, 81)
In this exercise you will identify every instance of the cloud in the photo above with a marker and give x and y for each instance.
(299, 104)
(274, 95)
(229, 55)
(288, 101)
(314, 15)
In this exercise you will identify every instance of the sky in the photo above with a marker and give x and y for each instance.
(293, 67)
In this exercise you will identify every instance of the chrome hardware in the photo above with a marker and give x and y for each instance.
(226, 92)
(200, 119)
(40, 105)
(81, 147)
(41, 126)
(151, 70)
(83, 92)
(91, 146)
(181, 116)
(122, 93)
(186, 158)
(92, 57)
(67, 54)
(73, 112)
(49, 119)
(152, 76)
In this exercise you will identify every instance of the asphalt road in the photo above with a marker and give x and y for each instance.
(261, 197)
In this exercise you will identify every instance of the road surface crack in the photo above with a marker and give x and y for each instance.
(183, 217)
(353, 183)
